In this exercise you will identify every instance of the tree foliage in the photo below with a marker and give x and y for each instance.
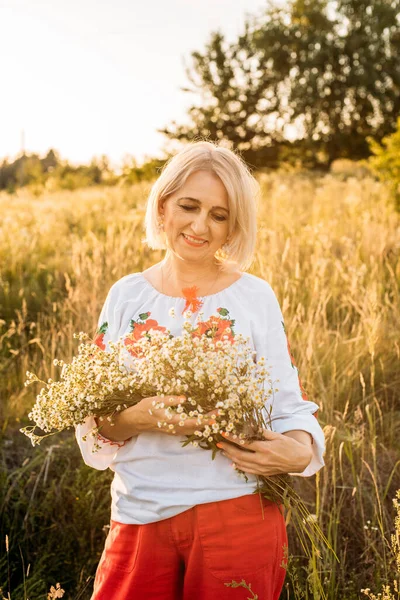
(234, 109)
(52, 173)
(385, 161)
(330, 70)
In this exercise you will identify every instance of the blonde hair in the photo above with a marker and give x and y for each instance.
(242, 189)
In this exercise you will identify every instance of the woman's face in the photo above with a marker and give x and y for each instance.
(200, 210)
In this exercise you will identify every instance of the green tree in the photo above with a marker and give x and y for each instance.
(386, 162)
(50, 161)
(328, 69)
(340, 63)
(237, 97)
(8, 176)
(150, 168)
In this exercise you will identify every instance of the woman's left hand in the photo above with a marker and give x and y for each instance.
(275, 455)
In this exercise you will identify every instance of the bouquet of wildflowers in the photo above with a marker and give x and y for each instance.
(213, 374)
(216, 373)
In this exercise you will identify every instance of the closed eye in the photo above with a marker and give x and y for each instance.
(216, 217)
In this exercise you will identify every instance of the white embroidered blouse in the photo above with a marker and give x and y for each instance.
(154, 476)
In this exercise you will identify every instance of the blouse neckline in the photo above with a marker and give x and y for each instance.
(182, 297)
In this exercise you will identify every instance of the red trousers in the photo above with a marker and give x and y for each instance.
(192, 555)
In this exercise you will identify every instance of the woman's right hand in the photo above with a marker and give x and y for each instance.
(147, 417)
(144, 416)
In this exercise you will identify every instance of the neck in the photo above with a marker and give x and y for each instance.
(182, 271)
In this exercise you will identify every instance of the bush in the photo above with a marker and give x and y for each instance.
(386, 162)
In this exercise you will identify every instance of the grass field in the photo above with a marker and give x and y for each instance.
(330, 248)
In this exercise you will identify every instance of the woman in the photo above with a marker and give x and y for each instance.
(183, 525)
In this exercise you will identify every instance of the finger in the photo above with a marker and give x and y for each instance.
(174, 400)
(253, 446)
(214, 413)
(204, 418)
(243, 456)
(160, 403)
(261, 472)
(254, 470)
(236, 446)
(187, 423)
(168, 427)
(195, 422)
(236, 457)
(164, 404)
(271, 435)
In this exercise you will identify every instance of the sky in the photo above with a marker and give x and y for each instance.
(93, 77)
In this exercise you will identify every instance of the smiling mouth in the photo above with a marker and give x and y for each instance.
(192, 240)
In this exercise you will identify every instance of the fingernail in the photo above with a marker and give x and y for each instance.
(219, 445)
(212, 422)
(225, 434)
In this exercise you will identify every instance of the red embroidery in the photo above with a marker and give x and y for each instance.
(216, 327)
(99, 336)
(106, 441)
(139, 328)
(192, 301)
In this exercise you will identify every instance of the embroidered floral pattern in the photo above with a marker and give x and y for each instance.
(304, 394)
(142, 326)
(99, 336)
(217, 326)
(101, 438)
(193, 302)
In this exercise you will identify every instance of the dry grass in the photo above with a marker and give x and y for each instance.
(331, 251)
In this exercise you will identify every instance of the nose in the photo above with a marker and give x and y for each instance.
(199, 224)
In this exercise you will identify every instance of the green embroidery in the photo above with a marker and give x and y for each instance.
(103, 328)
(144, 316)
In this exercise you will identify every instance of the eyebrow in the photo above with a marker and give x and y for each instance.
(198, 202)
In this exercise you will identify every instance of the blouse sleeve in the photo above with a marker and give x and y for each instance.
(107, 330)
(291, 408)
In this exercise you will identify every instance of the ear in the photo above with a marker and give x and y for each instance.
(161, 205)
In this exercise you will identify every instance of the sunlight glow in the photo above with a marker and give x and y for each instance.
(90, 78)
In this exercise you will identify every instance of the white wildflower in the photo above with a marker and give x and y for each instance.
(99, 382)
